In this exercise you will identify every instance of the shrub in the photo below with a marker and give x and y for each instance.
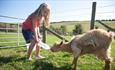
(78, 29)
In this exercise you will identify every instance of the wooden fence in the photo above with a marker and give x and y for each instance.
(17, 41)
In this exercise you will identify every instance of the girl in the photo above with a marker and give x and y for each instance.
(30, 29)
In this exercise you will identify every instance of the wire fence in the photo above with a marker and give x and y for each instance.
(8, 33)
(11, 37)
(78, 12)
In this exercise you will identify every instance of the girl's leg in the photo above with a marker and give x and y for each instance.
(38, 56)
(37, 50)
(29, 52)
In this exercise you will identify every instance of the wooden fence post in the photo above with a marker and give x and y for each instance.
(18, 31)
(93, 15)
(44, 33)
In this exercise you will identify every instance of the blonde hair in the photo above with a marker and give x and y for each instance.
(41, 13)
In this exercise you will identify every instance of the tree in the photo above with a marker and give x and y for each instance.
(77, 29)
(63, 29)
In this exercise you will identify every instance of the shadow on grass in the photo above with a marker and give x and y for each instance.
(42, 65)
(8, 59)
(21, 59)
(4, 60)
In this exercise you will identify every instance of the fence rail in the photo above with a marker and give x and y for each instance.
(109, 28)
(11, 37)
(16, 33)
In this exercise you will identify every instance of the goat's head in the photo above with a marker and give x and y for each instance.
(57, 47)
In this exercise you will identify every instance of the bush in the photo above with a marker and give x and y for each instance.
(78, 29)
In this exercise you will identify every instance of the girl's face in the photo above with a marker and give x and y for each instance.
(45, 11)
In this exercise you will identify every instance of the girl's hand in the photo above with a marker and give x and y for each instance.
(37, 41)
(40, 36)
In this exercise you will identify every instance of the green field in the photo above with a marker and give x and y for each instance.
(15, 58)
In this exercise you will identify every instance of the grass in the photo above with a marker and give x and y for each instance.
(15, 59)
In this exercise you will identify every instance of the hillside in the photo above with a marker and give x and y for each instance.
(69, 24)
(85, 24)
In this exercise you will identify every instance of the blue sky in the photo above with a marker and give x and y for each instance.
(61, 10)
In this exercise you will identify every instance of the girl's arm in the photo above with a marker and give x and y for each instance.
(35, 30)
(38, 32)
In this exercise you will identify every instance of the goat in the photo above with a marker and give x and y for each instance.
(96, 41)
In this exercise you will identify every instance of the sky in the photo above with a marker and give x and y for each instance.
(61, 10)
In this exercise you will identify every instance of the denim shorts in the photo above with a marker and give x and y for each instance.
(28, 35)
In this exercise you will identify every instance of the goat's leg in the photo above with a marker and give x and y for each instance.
(107, 64)
(104, 55)
(74, 63)
(76, 53)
